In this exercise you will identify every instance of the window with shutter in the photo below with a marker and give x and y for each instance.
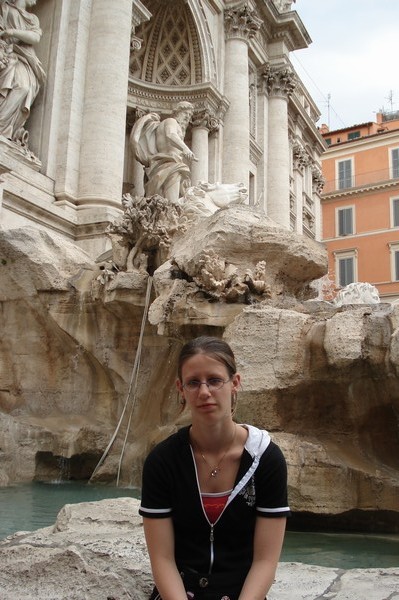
(344, 174)
(345, 221)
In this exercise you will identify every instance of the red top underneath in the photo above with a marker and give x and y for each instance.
(214, 505)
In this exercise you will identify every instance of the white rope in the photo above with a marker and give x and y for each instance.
(132, 385)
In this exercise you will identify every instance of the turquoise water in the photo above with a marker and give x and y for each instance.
(32, 506)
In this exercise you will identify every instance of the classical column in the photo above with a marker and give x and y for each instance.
(203, 124)
(240, 25)
(280, 85)
(104, 114)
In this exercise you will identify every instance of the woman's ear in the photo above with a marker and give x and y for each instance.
(179, 386)
(236, 381)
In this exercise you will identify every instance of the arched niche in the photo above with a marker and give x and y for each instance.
(176, 48)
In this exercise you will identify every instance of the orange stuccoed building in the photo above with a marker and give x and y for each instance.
(360, 204)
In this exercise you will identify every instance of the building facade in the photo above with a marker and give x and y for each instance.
(360, 204)
(109, 63)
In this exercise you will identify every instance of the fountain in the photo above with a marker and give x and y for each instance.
(90, 378)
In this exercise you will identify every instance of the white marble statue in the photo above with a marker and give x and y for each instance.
(357, 293)
(206, 198)
(21, 72)
(159, 146)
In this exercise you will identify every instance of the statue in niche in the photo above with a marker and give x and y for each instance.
(159, 146)
(21, 73)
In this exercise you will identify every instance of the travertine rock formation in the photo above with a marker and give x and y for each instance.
(323, 379)
(97, 550)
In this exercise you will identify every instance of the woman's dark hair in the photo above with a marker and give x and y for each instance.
(211, 346)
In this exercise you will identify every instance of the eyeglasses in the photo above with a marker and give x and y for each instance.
(213, 384)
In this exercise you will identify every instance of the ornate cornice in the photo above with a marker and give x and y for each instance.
(139, 15)
(359, 190)
(241, 22)
(278, 80)
(151, 97)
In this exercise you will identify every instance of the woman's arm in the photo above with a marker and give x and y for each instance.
(161, 548)
(268, 541)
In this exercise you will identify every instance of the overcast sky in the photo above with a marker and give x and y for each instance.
(354, 58)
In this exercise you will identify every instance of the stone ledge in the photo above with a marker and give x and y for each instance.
(97, 550)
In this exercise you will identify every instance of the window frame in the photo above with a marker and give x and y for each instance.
(345, 255)
(339, 209)
(394, 168)
(351, 161)
(394, 201)
(394, 251)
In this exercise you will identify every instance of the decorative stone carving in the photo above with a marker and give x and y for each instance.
(279, 80)
(301, 157)
(146, 228)
(241, 23)
(159, 146)
(357, 293)
(318, 180)
(21, 72)
(206, 198)
(207, 120)
(220, 280)
(135, 43)
(283, 5)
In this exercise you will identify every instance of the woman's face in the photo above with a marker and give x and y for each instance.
(206, 401)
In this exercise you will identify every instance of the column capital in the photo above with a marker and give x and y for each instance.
(207, 120)
(318, 179)
(301, 157)
(135, 43)
(241, 23)
(278, 80)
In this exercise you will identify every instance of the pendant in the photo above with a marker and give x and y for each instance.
(214, 472)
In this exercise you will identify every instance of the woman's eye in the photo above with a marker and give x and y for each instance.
(215, 381)
(193, 383)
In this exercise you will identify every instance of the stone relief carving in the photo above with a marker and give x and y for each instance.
(147, 226)
(21, 72)
(159, 146)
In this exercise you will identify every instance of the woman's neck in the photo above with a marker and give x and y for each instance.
(213, 438)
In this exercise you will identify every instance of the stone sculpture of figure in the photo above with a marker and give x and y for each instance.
(21, 72)
(159, 146)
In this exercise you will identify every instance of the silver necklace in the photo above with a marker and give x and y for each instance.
(214, 471)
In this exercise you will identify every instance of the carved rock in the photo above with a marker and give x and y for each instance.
(323, 379)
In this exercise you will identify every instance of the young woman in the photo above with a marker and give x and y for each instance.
(214, 495)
